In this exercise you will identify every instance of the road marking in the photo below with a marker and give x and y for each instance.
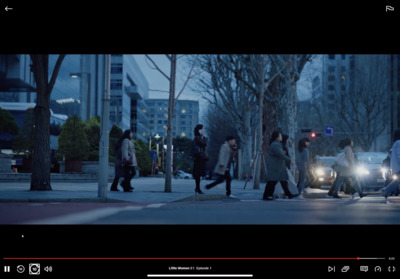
(83, 217)
(155, 205)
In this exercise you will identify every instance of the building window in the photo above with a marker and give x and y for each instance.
(331, 56)
(331, 69)
(343, 56)
(343, 69)
(331, 97)
(343, 87)
(331, 78)
(116, 84)
(116, 68)
(331, 87)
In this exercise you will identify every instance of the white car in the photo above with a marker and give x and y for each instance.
(184, 175)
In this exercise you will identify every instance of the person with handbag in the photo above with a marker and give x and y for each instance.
(226, 157)
(125, 162)
(346, 162)
(199, 155)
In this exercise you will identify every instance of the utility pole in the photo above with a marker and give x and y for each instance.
(104, 131)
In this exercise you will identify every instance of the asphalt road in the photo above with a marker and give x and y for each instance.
(373, 209)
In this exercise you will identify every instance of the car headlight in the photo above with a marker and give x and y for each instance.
(394, 177)
(319, 172)
(362, 171)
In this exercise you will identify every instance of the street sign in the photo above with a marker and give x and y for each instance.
(329, 131)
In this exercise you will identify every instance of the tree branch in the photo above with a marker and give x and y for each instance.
(55, 73)
(158, 68)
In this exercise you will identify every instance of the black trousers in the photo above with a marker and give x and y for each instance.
(270, 188)
(221, 178)
(129, 173)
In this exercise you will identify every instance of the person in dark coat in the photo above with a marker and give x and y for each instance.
(123, 149)
(276, 168)
(200, 157)
(303, 165)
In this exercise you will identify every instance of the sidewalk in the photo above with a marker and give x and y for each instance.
(147, 190)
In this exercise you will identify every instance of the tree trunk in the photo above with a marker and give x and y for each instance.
(171, 109)
(40, 180)
(246, 146)
(260, 140)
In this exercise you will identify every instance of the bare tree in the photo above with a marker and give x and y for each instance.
(40, 179)
(219, 87)
(171, 108)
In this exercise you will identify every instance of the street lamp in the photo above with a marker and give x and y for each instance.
(157, 137)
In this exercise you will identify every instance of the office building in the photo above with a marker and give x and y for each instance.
(186, 117)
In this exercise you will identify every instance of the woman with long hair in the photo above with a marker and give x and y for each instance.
(303, 164)
(347, 172)
(125, 162)
(199, 155)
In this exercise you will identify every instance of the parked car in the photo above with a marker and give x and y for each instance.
(322, 173)
(184, 175)
(369, 170)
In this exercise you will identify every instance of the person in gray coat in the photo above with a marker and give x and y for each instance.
(227, 155)
(276, 168)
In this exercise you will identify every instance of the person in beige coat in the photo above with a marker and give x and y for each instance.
(129, 161)
(227, 155)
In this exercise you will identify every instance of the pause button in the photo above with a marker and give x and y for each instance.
(6, 268)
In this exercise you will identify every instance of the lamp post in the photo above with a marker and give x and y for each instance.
(157, 137)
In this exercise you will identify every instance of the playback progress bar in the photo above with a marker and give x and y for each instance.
(199, 275)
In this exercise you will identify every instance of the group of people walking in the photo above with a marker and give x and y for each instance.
(279, 164)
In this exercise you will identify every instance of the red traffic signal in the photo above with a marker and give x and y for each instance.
(314, 135)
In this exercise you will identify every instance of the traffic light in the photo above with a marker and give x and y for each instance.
(315, 135)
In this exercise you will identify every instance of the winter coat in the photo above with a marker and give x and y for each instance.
(276, 164)
(348, 171)
(224, 157)
(303, 160)
(119, 168)
(395, 158)
(199, 164)
(128, 149)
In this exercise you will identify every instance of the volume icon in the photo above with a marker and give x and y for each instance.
(48, 269)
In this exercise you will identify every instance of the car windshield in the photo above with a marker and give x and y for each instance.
(371, 158)
(326, 161)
